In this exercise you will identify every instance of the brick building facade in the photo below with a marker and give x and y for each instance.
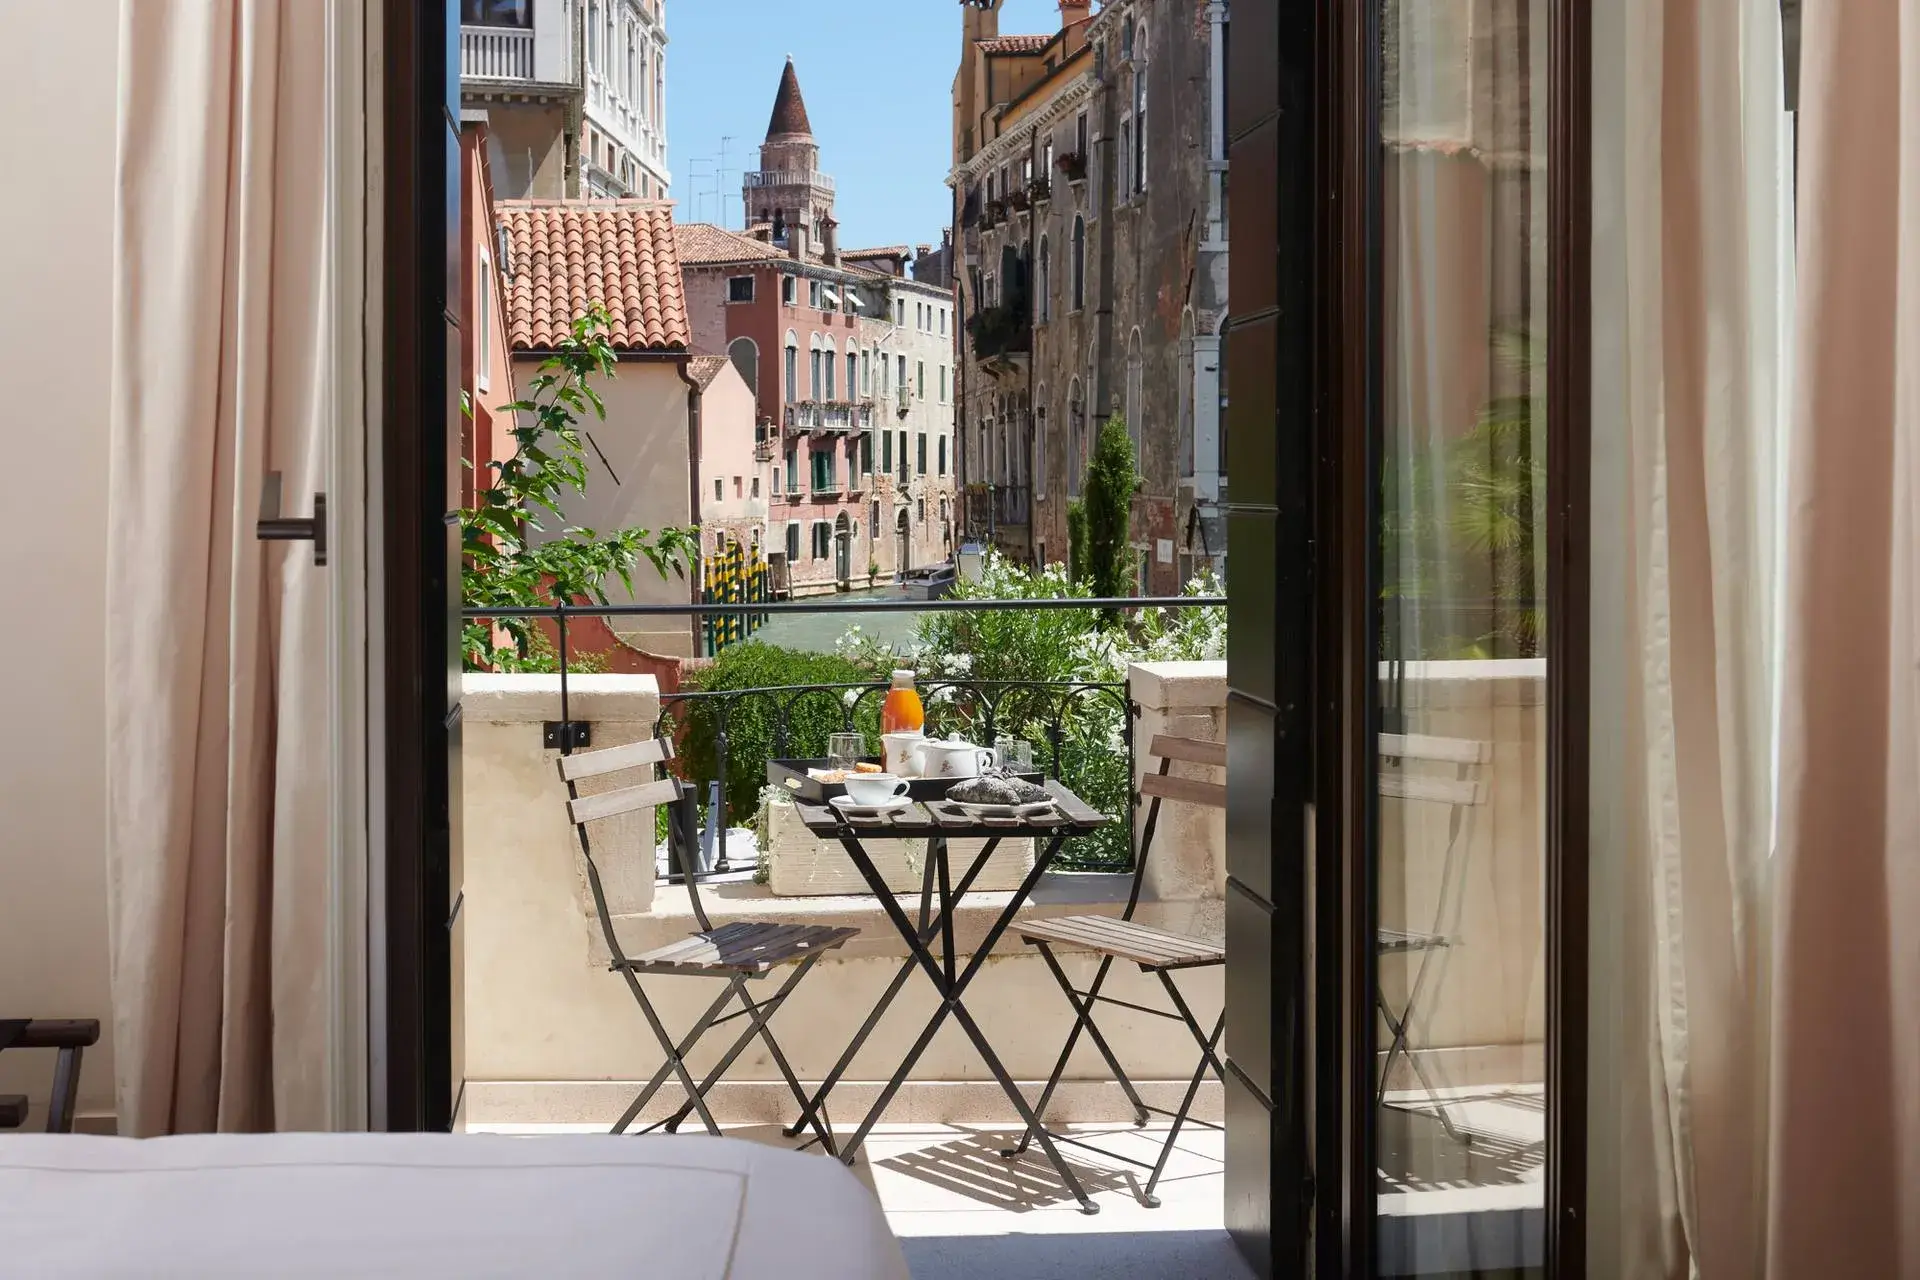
(1089, 183)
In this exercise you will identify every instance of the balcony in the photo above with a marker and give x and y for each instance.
(1001, 331)
(763, 450)
(496, 53)
(788, 178)
(829, 417)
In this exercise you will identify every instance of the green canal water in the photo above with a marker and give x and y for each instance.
(817, 632)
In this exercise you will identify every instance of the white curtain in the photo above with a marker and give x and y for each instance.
(1845, 1172)
(1693, 287)
(217, 665)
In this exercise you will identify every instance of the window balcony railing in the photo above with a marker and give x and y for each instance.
(788, 178)
(496, 53)
(1003, 330)
(820, 417)
(763, 451)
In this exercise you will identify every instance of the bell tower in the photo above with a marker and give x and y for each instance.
(789, 189)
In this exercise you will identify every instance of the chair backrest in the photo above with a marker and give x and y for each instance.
(1163, 785)
(648, 794)
(1464, 793)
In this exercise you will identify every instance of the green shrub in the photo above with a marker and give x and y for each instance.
(752, 723)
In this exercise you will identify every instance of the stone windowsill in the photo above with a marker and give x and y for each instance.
(1059, 894)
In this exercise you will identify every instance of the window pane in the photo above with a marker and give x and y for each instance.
(1460, 842)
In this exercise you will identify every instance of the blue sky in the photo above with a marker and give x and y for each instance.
(878, 80)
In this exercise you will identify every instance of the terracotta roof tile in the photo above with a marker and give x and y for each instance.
(702, 242)
(885, 251)
(1014, 44)
(568, 255)
(789, 108)
(704, 369)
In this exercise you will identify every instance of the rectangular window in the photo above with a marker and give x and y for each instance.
(866, 454)
(483, 317)
(1126, 157)
(923, 453)
(496, 13)
(739, 288)
(920, 382)
(1080, 136)
(813, 294)
(903, 457)
(942, 451)
(943, 384)
(900, 314)
(866, 373)
(943, 322)
(754, 487)
(716, 489)
(788, 285)
(739, 486)
(776, 479)
(885, 366)
(903, 373)
(793, 471)
(886, 451)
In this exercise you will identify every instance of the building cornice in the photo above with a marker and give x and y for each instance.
(1015, 142)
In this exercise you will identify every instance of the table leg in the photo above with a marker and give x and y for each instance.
(1027, 1115)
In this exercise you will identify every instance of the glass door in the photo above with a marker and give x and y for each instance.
(1456, 845)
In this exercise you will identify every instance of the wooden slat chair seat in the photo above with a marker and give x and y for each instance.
(745, 947)
(1142, 944)
(738, 952)
(1160, 952)
(1422, 769)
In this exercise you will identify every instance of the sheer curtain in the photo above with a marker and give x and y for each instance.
(218, 736)
(1845, 1173)
(1693, 290)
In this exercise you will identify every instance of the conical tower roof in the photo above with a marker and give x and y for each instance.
(789, 108)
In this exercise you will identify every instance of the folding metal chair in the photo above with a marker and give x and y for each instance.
(1156, 951)
(739, 952)
(1464, 793)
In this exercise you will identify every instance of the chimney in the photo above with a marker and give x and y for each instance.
(1072, 11)
(762, 231)
(797, 242)
(830, 241)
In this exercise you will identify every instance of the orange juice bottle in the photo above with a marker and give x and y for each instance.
(902, 712)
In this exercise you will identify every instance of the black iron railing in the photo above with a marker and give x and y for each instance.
(794, 721)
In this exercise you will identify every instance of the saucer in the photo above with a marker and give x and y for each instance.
(846, 806)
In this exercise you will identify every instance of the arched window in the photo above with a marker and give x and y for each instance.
(1040, 444)
(1185, 392)
(1044, 305)
(853, 374)
(1140, 114)
(1126, 39)
(1076, 433)
(1079, 266)
(813, 367)
(746, 358)
(793, 367)
(1136, 377)
(828, 358)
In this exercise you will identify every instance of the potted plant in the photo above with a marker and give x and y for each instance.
(1039, 189)
(1073, 164)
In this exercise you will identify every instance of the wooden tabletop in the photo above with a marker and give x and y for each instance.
(1070, 814)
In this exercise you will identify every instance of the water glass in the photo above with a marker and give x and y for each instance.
(844, 750)
(1015, 755)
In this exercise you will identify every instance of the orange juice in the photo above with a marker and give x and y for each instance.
(902, 712)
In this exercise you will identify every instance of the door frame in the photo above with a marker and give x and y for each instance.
(416, 644)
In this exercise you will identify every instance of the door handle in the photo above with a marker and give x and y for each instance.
(274, 527)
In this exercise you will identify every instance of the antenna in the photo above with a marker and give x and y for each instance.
(719, 183)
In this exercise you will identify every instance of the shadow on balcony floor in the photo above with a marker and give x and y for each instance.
(973, 1167)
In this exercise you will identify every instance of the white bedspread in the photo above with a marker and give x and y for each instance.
(375, 1205)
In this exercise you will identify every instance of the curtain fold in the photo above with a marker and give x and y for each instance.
(1845, 1167)
(217, 663)
(1698, 236)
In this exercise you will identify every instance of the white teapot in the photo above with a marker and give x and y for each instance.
(953, 758)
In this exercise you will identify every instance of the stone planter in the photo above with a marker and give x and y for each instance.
(801, 865)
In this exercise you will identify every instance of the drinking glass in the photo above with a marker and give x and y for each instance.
(844, 750)
(1015, 755)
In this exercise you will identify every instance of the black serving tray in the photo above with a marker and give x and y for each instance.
(792, 775)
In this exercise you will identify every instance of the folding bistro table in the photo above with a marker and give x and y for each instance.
(938, 823)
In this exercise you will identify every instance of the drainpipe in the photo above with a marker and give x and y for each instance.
(683, 365)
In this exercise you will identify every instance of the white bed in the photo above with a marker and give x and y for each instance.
(371, 1205)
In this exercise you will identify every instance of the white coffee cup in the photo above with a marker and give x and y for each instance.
(874, 788)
